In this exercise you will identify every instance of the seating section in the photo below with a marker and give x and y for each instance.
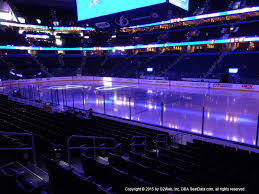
(72, 40)
(24, 66)
(195, 65)
(197, 164)
(15, 179)
(57, 127)
(98, 39)
(63, 179)
(219, 5)
(134, 66)
(252, 3)
(216, 164)
(19, 67)
(207, 33)
(248, 69)
(10, 36)
(52, 131)
(4, 69)
(246, 29)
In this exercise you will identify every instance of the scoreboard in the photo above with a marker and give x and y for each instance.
(181, 3)
(108, 13)
(88, 9)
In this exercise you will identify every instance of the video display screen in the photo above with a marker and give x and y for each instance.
(88, 9)
(184, 4)
(149, 69)
(233, 70)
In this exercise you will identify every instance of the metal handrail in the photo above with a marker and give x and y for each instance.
(22, 149)
(161, 141)
(86, 148)
(144, 142)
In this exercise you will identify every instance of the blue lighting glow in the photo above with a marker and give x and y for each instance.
(122, 48)
(37, 36)
(23, 25)
(72, 28)
(87, 9)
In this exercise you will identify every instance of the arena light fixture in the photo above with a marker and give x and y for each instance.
(21, 20)
(59, 42)
(38, 21)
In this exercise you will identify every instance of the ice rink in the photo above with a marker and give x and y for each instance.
(230, 115)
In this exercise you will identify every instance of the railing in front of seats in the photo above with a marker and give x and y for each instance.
(94, 147)
(24, 148)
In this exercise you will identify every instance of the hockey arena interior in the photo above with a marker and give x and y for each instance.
(149, 96)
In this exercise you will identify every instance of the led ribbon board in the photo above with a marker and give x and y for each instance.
(37, 36)
(72, 28)
(122, 48)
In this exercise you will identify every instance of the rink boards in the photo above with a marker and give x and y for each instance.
(107, 80)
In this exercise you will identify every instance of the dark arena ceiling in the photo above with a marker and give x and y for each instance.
(68, 4)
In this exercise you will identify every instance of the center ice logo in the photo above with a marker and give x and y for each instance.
(110, 87)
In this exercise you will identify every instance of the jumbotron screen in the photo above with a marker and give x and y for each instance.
(88, 9)
(181, 3)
